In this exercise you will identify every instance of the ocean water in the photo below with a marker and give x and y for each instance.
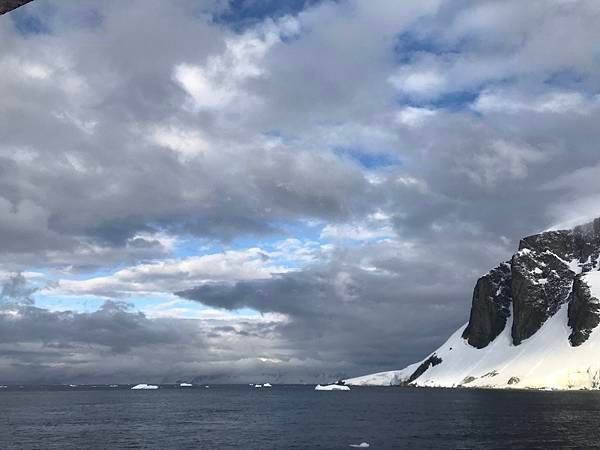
(295, 416)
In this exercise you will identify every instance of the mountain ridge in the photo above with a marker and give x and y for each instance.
(533, 322)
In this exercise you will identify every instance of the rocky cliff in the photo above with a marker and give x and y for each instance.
(533, 321)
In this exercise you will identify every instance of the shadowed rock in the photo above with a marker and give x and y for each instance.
(538, 280)
(490, 308)
(541, 283)
(584, 312)
(432, 361)
(543, 273)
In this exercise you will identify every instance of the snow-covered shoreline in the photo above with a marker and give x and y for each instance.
(545, 361)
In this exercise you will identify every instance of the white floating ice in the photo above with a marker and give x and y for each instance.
(361, 445)
(331, 387)
(144, 386)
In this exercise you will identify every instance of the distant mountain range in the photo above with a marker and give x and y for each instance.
(533, 322)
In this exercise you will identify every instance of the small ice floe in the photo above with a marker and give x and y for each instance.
(3, 387)
(331, 387)
(207, 387)
(267, 385)
(361, 445)
(185, 385)
(114, 385)
(144, 386)
(72, 385)
(258, 385)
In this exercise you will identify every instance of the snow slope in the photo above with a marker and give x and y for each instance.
(544, 361)
(391, 378)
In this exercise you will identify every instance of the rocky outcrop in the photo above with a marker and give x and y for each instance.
(541, 283)
(544, 271)
(490, 309)
(538, 281)
(587, 245)
(432, 361)
(584, 312)
(553, 281)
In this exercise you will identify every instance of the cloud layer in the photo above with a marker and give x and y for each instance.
(347, 169)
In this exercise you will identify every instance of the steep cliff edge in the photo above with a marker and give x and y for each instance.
(490, 309)
(533, 322)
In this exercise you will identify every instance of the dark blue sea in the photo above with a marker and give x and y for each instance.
(295, 417)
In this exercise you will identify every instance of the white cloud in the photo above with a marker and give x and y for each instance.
(172, 275)
(205, 92)
(219, 82)
(413, 117)
(375, 226)
(36, 71)
(186, 143)
(426, 83)
(410, 182)
(296, 251)
(551, 102)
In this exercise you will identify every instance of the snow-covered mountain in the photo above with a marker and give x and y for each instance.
(533, 323)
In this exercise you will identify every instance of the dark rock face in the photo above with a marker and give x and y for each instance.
(544, 274)
(584, 312)
(513, 380)
(541, 284)
(490, 309)
(538, 281)
(432, 361)
(549, 270)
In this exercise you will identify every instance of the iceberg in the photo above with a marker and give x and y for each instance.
(267, 385)
(258, 385)
(361, 445)
(331, 387)
(144, 386)
(185, 385)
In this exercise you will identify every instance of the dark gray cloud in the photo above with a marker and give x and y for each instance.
(118, 344)
(369, 307)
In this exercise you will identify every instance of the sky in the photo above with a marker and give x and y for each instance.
(252, 190)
